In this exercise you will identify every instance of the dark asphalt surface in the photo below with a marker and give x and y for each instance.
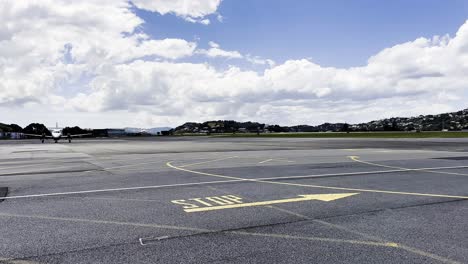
(126, 201)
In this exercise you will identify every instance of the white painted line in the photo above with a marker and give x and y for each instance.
(48, 170)
(430, 170)
(209, 161)
(278, 159)
(259, 180)
(18, 167)
(105, 222)
(232, 179)
(130, 165)
(115, 189)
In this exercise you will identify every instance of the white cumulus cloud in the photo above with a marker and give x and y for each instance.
(193, 11)
(45, 45)
(420, 76)
(91, 58)
(216, 51)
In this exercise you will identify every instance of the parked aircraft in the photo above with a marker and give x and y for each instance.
(57, 134)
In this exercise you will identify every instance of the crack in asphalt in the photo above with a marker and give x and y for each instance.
(3, 193)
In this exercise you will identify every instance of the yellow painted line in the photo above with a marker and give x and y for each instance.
(191, 229)
(237, 179)
(319, 186)
(308, 197)
(320, 239)
(428, 255)
(343, 228)
(18, 261)
(81, 220)
(281, 160)
(209, 161)
(398, 245)
(18, 167)
(289, 212)
(169, 164)
(129, 165)
(50, 170)
(364, 235)
(370, 190)
(115, 199)
(369, 243)
(449, 173)
(356, 158)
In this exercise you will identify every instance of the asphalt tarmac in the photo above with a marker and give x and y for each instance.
(234, 200)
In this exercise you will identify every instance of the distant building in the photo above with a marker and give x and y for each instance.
(112, 132)
(12, 135)
(16, 135)
(109, 132)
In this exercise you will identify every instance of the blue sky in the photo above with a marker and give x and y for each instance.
(148, 63)
(337, 33)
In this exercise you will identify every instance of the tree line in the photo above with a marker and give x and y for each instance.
(39, 129)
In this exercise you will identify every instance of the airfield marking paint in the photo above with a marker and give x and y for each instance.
(153, 162)
(376, 239)
(116, 199)
(208, 201)
(39, 171)
(388, 244)
(359, 242)
(321, 239)
(17, 167)
(116, 189)
(331, 240)
(81, 220)
(280, 160)
(129, 165)
(231, 201)
(320, 186)
(356, 242)
(398, 245)
(356, 158)
(428, 255)
(209, 161)
(236, 179)
(330, 225)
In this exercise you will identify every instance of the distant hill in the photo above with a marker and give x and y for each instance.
(10, 128)
(152, 131)
(220, 126)
(453, 121)
(450, 121)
